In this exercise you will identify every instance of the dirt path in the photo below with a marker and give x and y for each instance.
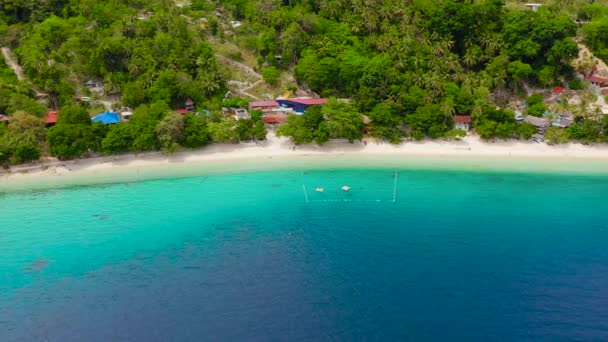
(237, 65)
(18, 70)
(242, 87)
(10, 61)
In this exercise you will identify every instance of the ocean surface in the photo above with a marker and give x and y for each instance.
(404, 255)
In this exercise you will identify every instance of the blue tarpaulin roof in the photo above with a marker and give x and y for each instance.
(107, 118)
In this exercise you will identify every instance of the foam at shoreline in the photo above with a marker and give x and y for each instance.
(175, 167)
(278, 154)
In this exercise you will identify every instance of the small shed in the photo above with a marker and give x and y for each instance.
(125, 113)
(182, 111)
(94, 86)
(241, 113)
(4, 119)
(533, 7)
(563, 121)
(51, 118)
(462, 122)
(107, 118)
(189, 104)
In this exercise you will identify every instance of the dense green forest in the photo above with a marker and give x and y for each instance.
(407, 65)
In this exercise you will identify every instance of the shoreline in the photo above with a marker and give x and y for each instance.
(469, 154)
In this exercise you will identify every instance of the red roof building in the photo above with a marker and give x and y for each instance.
(558, 90)
(51, 118)
(182, 111)
(462, 118)
(462, 122)
(274, 120)
(602, 82)
(263, 104)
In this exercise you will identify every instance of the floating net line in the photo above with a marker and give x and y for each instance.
(350, 186)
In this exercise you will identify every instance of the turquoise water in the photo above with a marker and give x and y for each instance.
(408, 255)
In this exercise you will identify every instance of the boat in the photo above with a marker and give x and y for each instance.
(319, 189)
(346, 188)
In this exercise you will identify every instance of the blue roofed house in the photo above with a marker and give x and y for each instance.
(107, 118)
(299, 105)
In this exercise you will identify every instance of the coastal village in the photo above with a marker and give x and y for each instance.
(561, 102)
(257, 90)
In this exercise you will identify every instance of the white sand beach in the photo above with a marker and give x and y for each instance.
(279, 153)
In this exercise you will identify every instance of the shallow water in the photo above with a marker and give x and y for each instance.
(433, 255)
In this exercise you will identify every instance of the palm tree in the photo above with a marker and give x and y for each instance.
(448, 107)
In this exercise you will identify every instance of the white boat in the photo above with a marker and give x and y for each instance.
(319, 189)
(346, 188)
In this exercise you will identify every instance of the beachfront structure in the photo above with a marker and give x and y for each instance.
(563, 121)
(462, 122)
(299, 105)
(107, 118)
(51, 118)
(540, 123)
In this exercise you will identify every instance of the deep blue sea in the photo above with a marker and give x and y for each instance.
(416, 255)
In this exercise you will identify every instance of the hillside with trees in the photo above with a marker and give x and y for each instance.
(409, 67)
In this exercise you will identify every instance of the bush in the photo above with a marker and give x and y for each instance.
(68, 141)
(526, 130)
(271, 75)
(576, 84)
(537, 109)
(505, 130)
(556, 135)
(455, 134)
(534, 99)
(25, 152)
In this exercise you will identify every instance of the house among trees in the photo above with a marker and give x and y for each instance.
(263, 105)
(533, 7)
(299, 105)
(189, 104)
(125, 113)
(94, 86)
(4, 119)
(241, 113)
(597, 81)
(462, 122)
